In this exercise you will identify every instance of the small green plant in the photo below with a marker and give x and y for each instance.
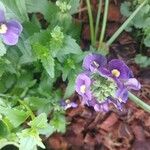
(141, 21)
(33, 57)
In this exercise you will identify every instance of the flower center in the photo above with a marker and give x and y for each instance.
(95, 64)
(115, 72)
(67, 101)
(3, 28)
(83, 89)
(102, 88)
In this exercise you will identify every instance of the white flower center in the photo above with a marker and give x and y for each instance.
(95, 64)
(83, 89)
(3, 28)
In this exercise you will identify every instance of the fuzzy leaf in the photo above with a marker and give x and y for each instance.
(39, 122)
(15, 116)
(29, 140)
(46, 58)
(15, 9)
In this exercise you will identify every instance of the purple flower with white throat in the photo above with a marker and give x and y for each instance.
(9, 30)
(83, 83)
(105, 83)
(121, 73)
(66, 104)
(92, 62)
(116, 69)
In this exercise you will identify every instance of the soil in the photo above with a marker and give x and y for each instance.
(115, 130)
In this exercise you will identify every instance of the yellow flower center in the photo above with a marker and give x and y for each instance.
(3, 28)
(115, 72)
(83, 89)
(96, 64)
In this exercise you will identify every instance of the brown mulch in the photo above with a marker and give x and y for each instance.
(126, 130)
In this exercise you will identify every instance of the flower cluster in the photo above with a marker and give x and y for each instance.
(9, 30)
(104, 82)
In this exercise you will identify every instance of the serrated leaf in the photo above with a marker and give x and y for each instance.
(29, 140)
(16, 117)
(47, 60)
(15, 9)
(48, 64)
(74, 6)
(2, 49)
(58, 122)
(125, 9)
(39, 122)
(70, 47)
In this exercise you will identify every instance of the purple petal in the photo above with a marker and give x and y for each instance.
(132, 83)
(82, 79)
(122, 95)
(13, 33)
(93, 61)
(123, 69)
(68, 104)
(2, 17)
(17, 27)
(104, 72)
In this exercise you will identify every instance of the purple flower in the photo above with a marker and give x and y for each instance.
(68, 104)
(105, 84)
(116, 69)
(93, 62)
(9, 30)
(83, 83)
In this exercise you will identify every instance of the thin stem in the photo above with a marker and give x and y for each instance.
(104, 23)
(139, 102)
(91, 22)
(98, 18)
(124, 25)
(27, 108)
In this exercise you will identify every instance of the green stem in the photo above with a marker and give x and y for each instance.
(139, 102)
(104, 23)
(27, 108)
(124, 25)
(98, 18)
(91, 22)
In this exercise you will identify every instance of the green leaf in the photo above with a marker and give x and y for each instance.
(2, 49)
(125, 9)
(15, 9)
(29, 140)
(70, 47)
(58, 122)
(15, 116)
(147, 41)
(39, 122)
(143, 61)
(3, 129)
(47, 60)
(74, 6)
(48, 64)
(47, 8)
(70, 87)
